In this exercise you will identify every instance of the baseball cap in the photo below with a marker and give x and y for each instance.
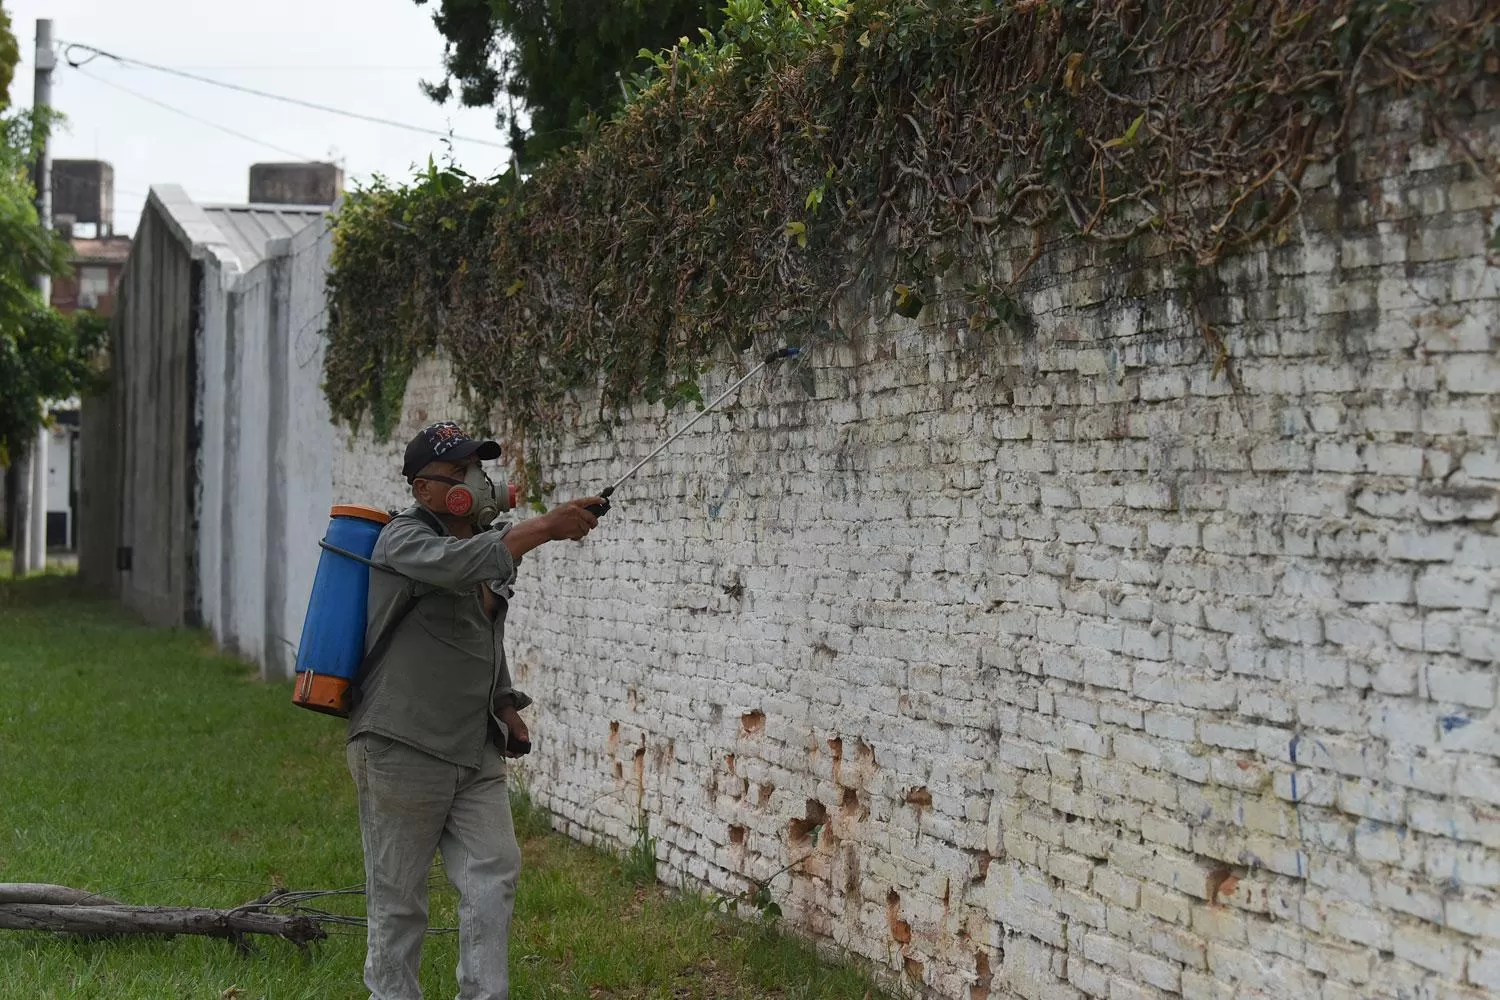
(443, 442)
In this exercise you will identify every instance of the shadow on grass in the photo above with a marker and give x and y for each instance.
(44, 588)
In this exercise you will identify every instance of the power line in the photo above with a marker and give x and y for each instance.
(324, 68)
(190, 115)
(126, 61)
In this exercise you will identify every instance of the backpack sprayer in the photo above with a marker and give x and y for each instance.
(332, 649)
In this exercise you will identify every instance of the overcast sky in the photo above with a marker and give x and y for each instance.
(365, 56)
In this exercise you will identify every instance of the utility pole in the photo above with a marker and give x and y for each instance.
(31, 518)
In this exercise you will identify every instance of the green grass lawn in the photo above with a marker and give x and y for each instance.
(137, 763)
(55, 565)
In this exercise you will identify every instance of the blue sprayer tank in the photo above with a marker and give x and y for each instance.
(333, 636)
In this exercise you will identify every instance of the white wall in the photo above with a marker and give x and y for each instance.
(309, 440)
(1098, 675)
(267, 449)
(212, 401)
(59, 468)
(247, 454)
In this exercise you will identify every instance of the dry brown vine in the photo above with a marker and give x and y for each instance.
(855, 146)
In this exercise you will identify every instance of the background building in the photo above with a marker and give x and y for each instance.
(205, 382)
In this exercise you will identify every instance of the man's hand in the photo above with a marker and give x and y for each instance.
(516, 725)
(572, 520)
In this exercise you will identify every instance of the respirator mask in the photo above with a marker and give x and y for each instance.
(475, 496)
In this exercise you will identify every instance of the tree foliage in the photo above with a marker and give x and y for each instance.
(562, 62)
(819, 160)
(43, 354)
(10, 54)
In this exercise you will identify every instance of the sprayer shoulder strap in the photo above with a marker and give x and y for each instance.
(411, 591)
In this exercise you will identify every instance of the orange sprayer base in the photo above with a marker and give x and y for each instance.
(322, 693)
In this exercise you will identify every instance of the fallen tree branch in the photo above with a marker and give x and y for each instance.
(43, 892)
(118, 918)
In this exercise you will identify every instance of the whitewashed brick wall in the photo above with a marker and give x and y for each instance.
(1063, 668)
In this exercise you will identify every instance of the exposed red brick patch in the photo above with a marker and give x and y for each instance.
(800, 831)
(1219, 882)
(753, 722)
(851, 870)
(900, 929)
(982, 977)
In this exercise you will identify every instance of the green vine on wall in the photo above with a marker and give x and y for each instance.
(815, 148)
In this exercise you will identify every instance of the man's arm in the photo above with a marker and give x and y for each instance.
(417, 552)
(570, 521)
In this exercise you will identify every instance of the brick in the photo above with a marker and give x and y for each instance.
(1305, 787)
(1122, 989)
(1387, 503)
(1478, 779)
(1147, 643)
(1303, 629)
(1151, 496)
(1202, 986)
(1470, 373)
(1460, 504)
(1166, 904)
(1448, 588)
(1339, 962)
(1484, 967)
(1171, 725)
(1393, 460)
(1226, 619)
(1480, 642)
(1423, 546)
(1406, 723)
(1474, 916)
(1453, 682)
(1162, 974)
(1404, 898)
(1315, 501)
(1431, 951)
(1091, 980)
(1118, 889)
(1373, 801)
(1359, 924)
(1354, 632)
(1468, 865)
(1337, 456)
(1168, 534)
(1267, 706)
(1101, 949)
(1377, 844)
(1381, 585)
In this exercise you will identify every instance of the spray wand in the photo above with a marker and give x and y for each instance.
(600, 509)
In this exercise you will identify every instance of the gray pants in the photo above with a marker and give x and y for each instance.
(411, 805)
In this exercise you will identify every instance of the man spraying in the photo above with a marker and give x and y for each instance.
(436, 714)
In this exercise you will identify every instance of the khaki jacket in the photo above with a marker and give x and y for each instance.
(440, 678)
